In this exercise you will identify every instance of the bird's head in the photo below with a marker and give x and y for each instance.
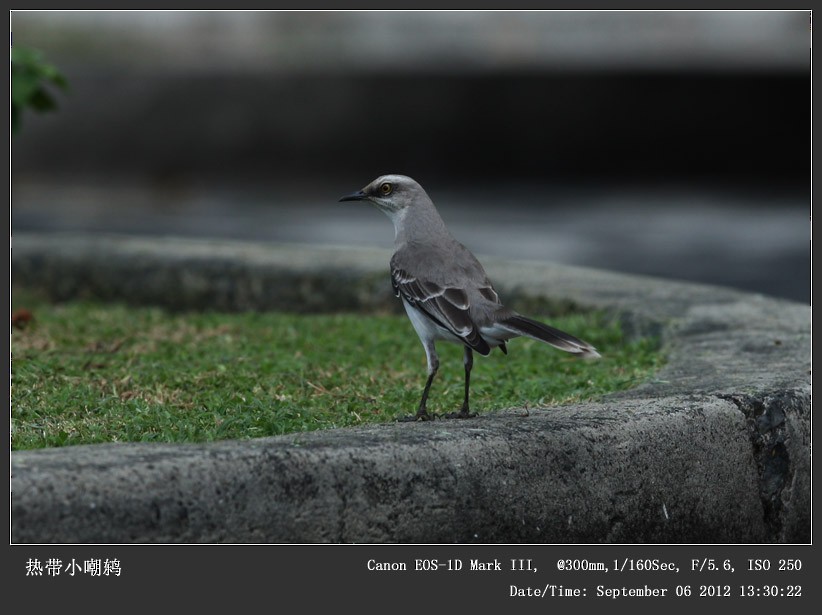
(390, 193)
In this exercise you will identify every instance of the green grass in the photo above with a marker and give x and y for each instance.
(88, 372)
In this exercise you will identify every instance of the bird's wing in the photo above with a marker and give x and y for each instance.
(446, 305)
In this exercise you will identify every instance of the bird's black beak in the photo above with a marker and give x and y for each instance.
(355, 196)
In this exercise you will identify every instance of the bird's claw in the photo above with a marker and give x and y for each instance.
(419, 416)
(462, 414)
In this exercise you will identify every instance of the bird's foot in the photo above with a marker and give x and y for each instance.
(464, 413)
(421, 415)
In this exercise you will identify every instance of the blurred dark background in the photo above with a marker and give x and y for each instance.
(675, 144)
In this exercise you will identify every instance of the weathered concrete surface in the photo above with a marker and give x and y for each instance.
(716, 448)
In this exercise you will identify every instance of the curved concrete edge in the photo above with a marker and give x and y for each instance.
(715, 449)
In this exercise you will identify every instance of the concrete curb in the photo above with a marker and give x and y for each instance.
(715, 449)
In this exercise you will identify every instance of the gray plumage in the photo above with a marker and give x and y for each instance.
(444, 288)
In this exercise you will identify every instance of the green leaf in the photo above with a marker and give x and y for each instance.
(41, 101)
(29, 76)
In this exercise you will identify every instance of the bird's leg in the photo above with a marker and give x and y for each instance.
(464, 413)
(468, 361)
(433, 366)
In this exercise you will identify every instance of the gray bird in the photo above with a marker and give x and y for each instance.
(444, 289)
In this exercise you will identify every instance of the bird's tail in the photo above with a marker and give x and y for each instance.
(521, 325)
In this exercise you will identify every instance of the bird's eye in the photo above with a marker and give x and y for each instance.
(386, 189)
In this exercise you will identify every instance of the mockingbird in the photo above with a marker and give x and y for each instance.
(444, 289)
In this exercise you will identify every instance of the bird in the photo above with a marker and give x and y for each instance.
(444, 289)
